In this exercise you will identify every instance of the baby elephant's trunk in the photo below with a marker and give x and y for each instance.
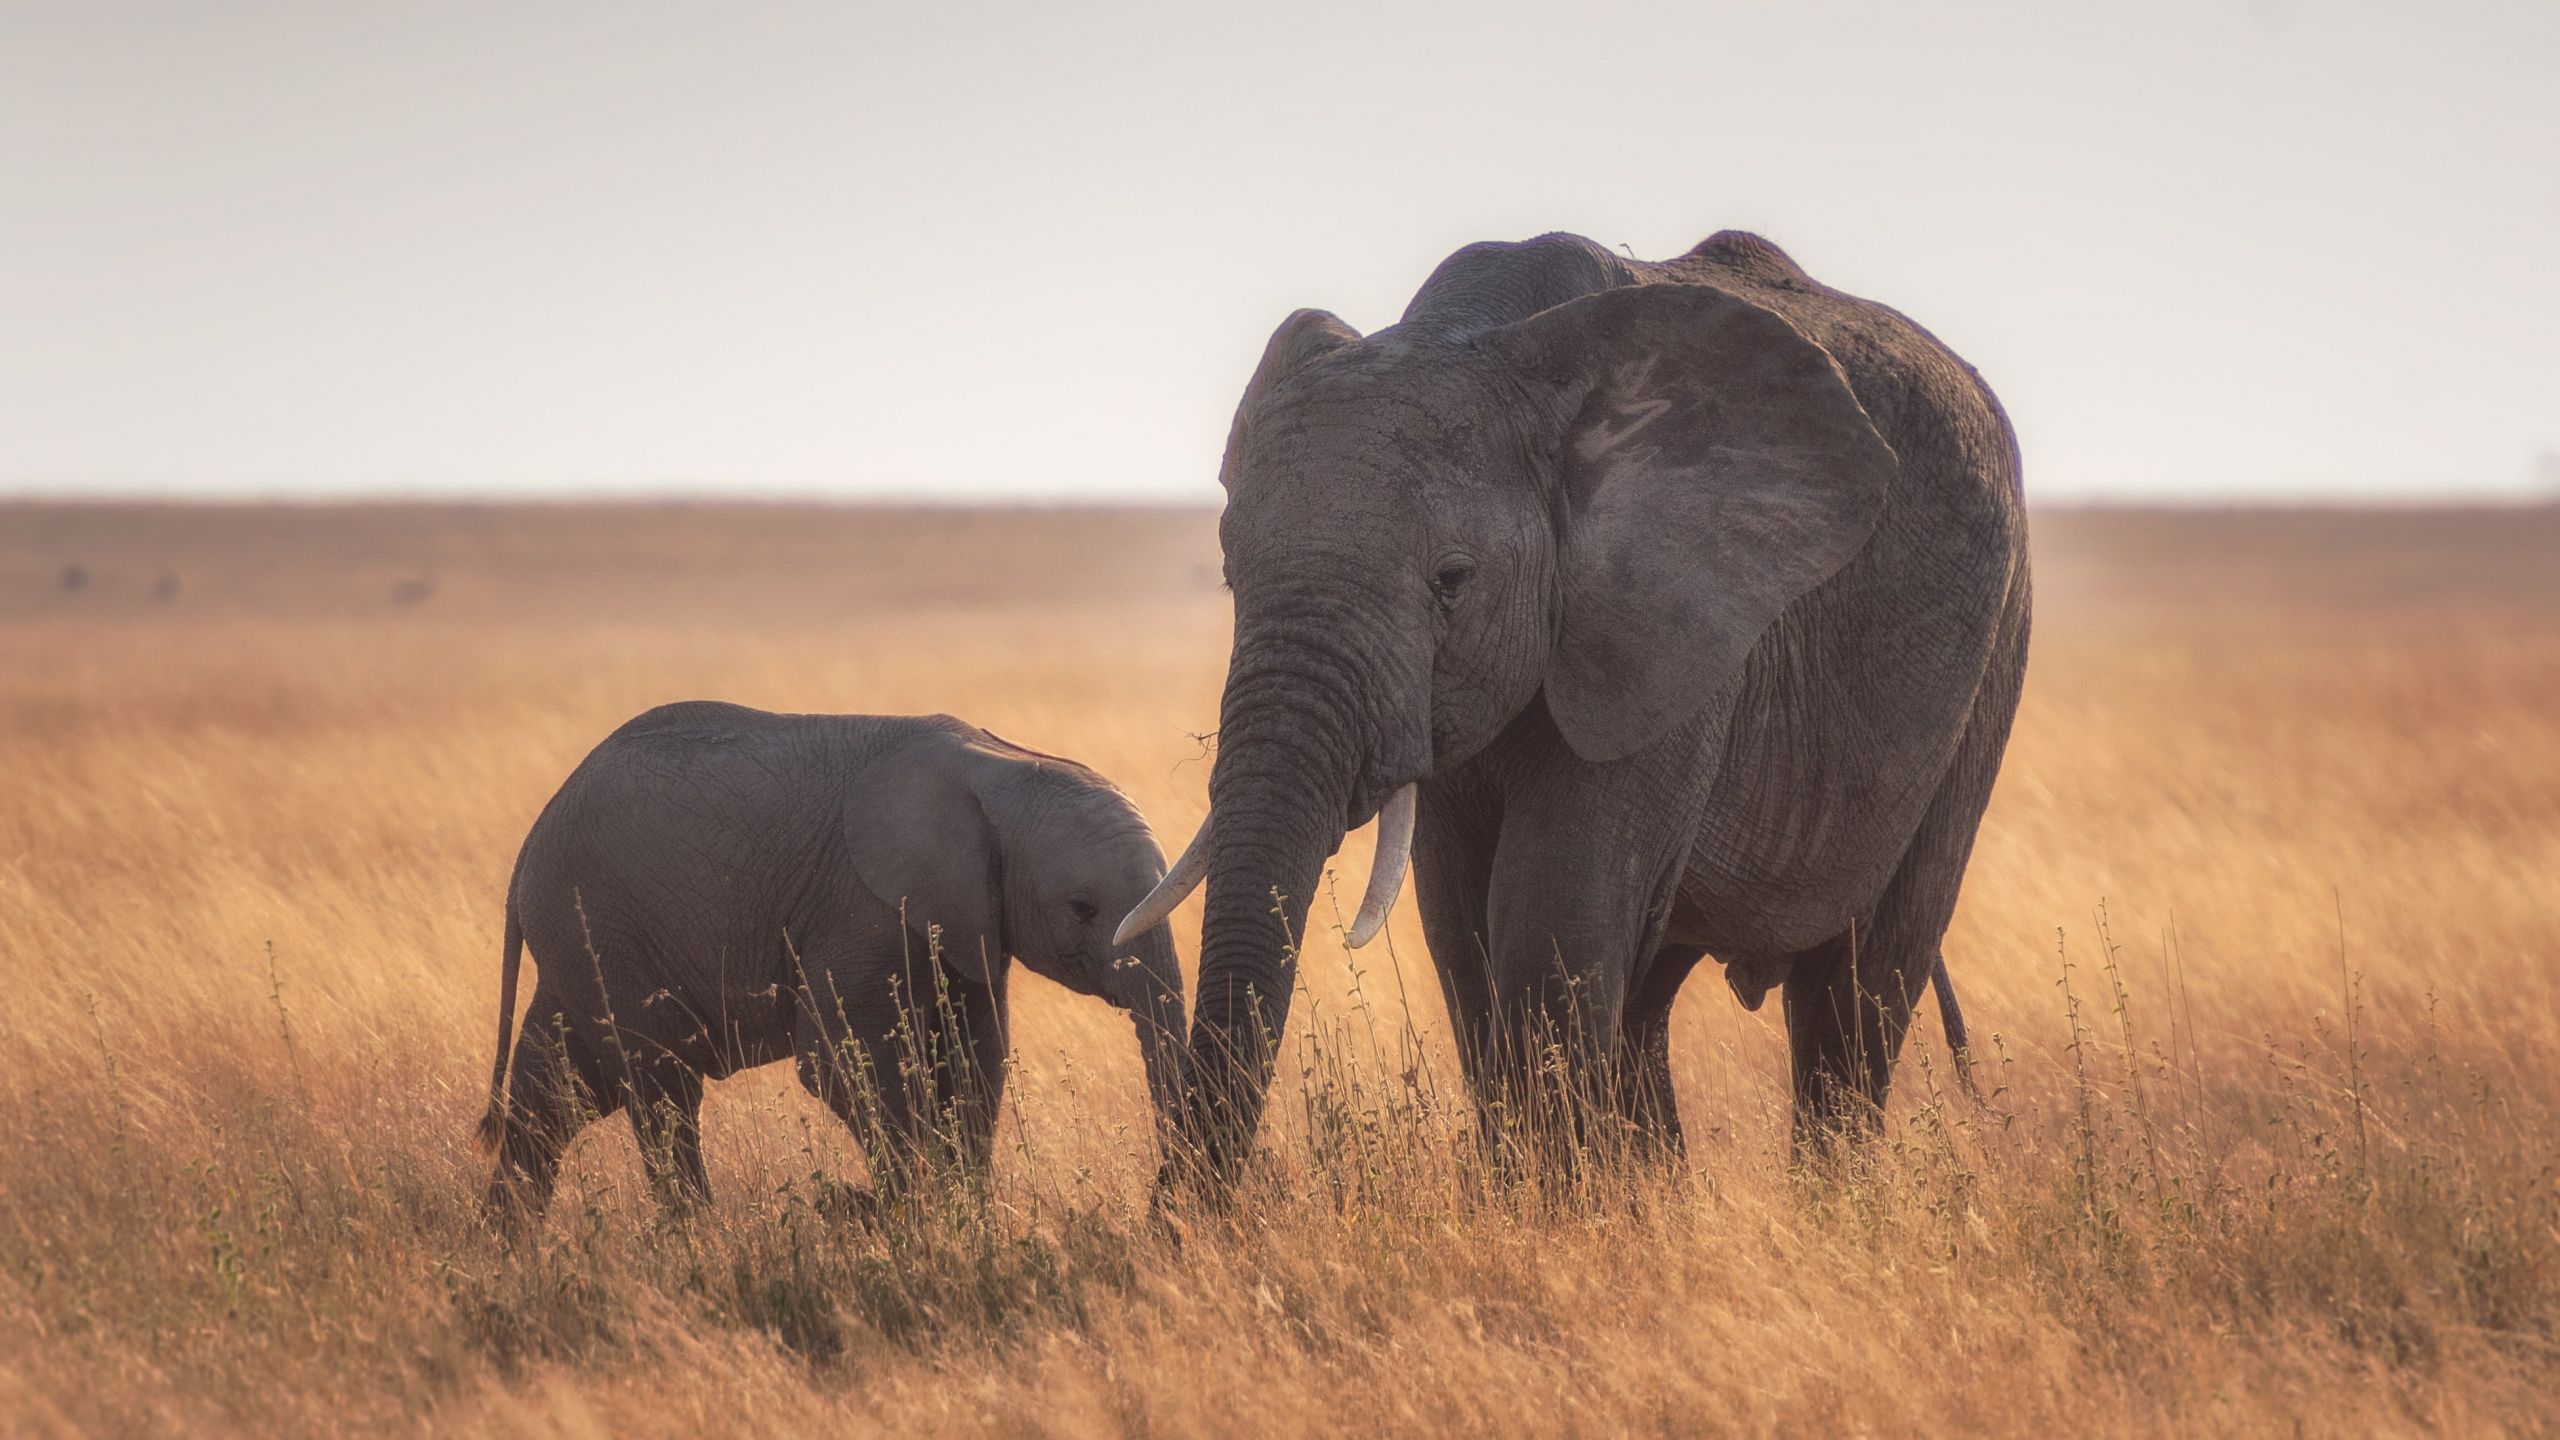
(1150, 989)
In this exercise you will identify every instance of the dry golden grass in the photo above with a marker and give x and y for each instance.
(2285, 1153)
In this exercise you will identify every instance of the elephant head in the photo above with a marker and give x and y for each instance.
(1600, 507)
(1051, 858)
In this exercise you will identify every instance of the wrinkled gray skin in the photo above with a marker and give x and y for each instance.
(667, 888)
(1695, 596)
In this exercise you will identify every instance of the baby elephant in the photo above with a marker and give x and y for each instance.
(716, 887)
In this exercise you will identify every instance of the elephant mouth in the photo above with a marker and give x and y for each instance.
(1396, 813)
(1371, 797)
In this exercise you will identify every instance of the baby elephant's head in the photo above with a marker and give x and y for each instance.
(1078, 858)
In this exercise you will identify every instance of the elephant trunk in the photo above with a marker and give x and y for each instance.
(1289, 759)
(1150, 989)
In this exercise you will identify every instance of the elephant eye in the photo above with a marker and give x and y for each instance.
(1083, 910)
(1451, 577)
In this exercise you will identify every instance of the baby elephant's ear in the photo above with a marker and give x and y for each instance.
(1715, 468)
(921, 843)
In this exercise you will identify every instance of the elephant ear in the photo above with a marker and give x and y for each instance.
(921, 843)
(1302, 339)
(1714, 467)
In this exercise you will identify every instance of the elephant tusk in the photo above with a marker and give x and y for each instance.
(1172, 890)
(1386, 873)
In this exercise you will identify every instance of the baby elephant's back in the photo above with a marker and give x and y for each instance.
(678, 852)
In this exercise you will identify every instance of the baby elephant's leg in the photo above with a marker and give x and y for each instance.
(870, 1076)
(555, 1088)
(917, 1083)
(854, 1051)
(666, 1116)
(969, 1085)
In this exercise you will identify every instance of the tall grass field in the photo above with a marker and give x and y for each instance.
(2260, 948)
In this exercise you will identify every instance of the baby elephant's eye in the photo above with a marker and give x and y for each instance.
(1083, 910)
(1450, 577)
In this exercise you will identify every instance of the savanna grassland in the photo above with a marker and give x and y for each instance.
(2261, 947)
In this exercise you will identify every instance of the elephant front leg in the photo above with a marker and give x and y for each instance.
(917, 1078)
(666, 1118)
(1453, 851)
(1580, 896)
(864, 1070)
(1640, 1073)
(969, 1084)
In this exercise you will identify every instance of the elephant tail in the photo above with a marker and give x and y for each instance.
(493, 1122)
(1951, 1015)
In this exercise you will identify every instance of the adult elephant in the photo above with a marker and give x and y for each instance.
(1660, 610)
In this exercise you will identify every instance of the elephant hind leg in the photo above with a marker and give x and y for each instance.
(1849, 1000)
(1848, 1005)
(556, 1087)
(666, 1118)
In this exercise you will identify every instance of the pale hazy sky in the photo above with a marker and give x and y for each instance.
(2201, 250)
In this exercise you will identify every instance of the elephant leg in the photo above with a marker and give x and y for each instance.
(556, 1087)
(860, 1075)
(1452, 873)
(1641, 1074)
(666, 1118)
(840, 1009)
(1573, 918)
(1848, 1004)
(881, 1057)
(969, 1083)
(1849, 1000)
